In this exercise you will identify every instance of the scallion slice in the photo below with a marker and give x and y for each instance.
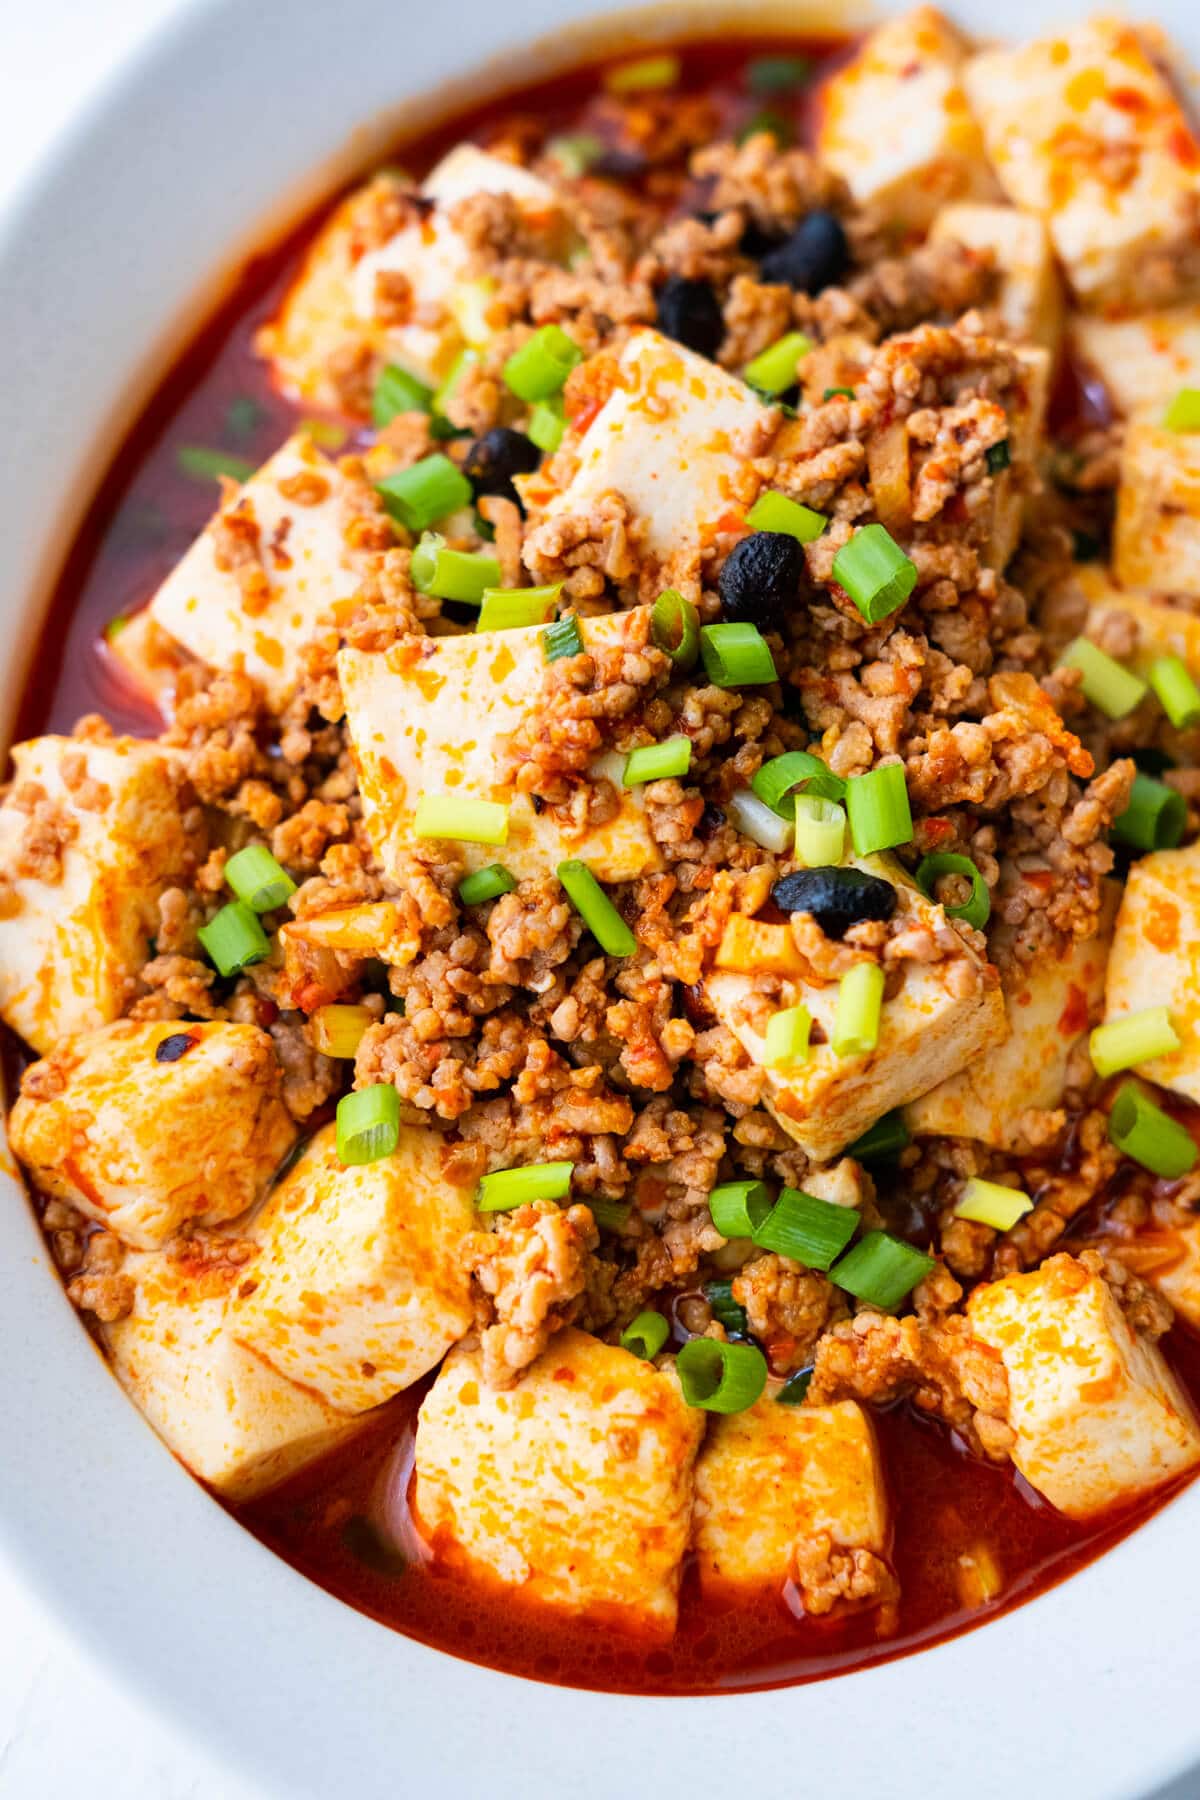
(467, 358)
(1111, 688)
(777, 74)
(675, 628)
(596, 909)
(775, 783)
(563, 638)
(658, 762)
(990, 1203)
(425, 492)
(859, 1008)
(875, 572)
(452, 574)
(1183, 411)
(547, 422)
(645, 1336)
(233, 938)
(460, 818)
(541, 366)
(776, 512)
(728, 1312)
(485, 884)
(1148, 1135)
(785, 1042)
(886, 1137)
(811, 1231)
(368, 1124)
(881, 1269)
(469, 305)
(795, 1389)
(721, 1378)
(736, 654)
(820, 832)
(1177, 692)
(773, 370)
(575, 152)
(505, 609)
(738, 1208)
(643, 73)
(977, 910)
(200, 464)
(396, 392)
(1137, 1038)
(338, 1030)
(257, 878)
(759, 822)
(838, 394)
(506, 1188)
(1155, 818)
(878, 810)
(610, 1215)
(998, 457)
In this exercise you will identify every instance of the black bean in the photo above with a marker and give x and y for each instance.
(813, 258)
(836, 898)
(690, 312)
(170, 1049)
(761, 578)
(495, 458)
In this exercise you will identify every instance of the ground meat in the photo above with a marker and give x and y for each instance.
(101, 1287)
(48, 833)
(308, 1077)
(825, 1577)
(529, 1273)
(788, 1307)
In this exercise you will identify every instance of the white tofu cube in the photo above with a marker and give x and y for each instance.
(1177, 1276)
(1030, 299)
(149, 1127)
(1098, 1416)
(268, 566)
(228, 1417)
(927, 1030)
(895, 123)
(427, 717)
(359, 1288)
(574, 1487)
(1156, 539)
(1162, 630)
(1083, 128)
(90, 835)
(779, 1488)
(1143, 362)
(1155, 958)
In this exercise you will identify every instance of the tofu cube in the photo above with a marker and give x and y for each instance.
(781, 1490)
(228, 1417)
(359, 1288)
(1099, 1418)
(895, 123)
(427, 717)
(274, 559)
(90, 835)
(1155, 958)
(1162, 630)
(573, 1487)
(1143, 362)
(149, 1127)
(1083, 128)
(1156, 539)
(1030, 299)
(1177, 1276)
(935, 1024)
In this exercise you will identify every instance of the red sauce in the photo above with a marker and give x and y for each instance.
(344, 1522)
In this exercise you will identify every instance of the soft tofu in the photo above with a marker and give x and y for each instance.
(1177, 1277)
(1029, 300)
(1050, 1004)
(427, 717)
(1084, 129)
(295, 558)
(149, 1127)
(574, 1487)
(360, 1287)
(781, 1487)
(927, 1031)
(227, 1416)
(75, 930)
(1155, 958)
(1162, 630)
(1156, 539)
(1098, 1416)
(1144, 361)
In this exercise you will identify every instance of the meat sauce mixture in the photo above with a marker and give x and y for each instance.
(518, 1104)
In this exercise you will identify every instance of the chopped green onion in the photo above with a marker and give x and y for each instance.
(773, 511)
(998, 457)
(1150, 1136)
(881, 1269)
(738, 1208)
(507, 1188)
(396, 392)
(990, 1203)
(243, 416)
(563, 638)
(1137, 1038)
(485, 884)
(721, 1378)
(758, 821)
(776, 781)
(325, 432)
(859, 1006)
(728, 1312)
(200, 464)
(467, 358)
(675, 627)
(645, 1336)
(368, 1124)
(878, 810)
(1177, 692)
(596, 909)
(658, 762)
(337, 1031)
(643, 73)
(425, 492)
(1183, 412)
(777, 74)
(766, 120)
(820, 832)
(541, 366)
(785, 1042)
(547, 423)
(838, 393)
(811, 1231)
(469, 305)
(1155, 818)
(795, 1389)
(1114, 690)
(875, 572)
(773, 370)
(257, 878)
(233, 938)
(885, 1137)
(575, 152)
(452, 574)
(736, 655)
(977, 910)
(503, 609)
(610, 1215)
(465, 820)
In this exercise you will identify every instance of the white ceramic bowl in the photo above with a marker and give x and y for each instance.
(213, 137)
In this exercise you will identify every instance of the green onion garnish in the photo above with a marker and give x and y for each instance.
(1177, 692)
(541, 366)
(738, 1208)
(811, 1231)
(756, 820)
(396, 392)
(1150, 1136)
(233, 938)
(467, 358)
(998, 457)
(878, 810)
(257, 878)
(795, 1389)
(875, 572)
(575, 152)
(721, 1378)
(838, 393)
(610, 1215)
(728, 1312)
(988, 1203)
(777, 74)
(645, 1336)
(243, 416)
(425, 492)
(776, 782)
(820, 832)
(1113, 689)
(1155, 818)
(658, 762)
(452, 574)
(469, 305)
(1137, 1038)
(200, 464)
(885, 1137)
(773, 511)
(773, 370)
(785, 1042)
(455, 816)
(547, 422)
(504, 609)
(327, 433)
(485, 884)
(507, 1188)
(977, 910)
(765, 119)
(596, 909)
(1183, 412)
(881, 1269)
(675, 628)
(563, 638)
(368, 1124)
(643, 73)
(859, 1006)
(337, 1031)
(736, 655)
